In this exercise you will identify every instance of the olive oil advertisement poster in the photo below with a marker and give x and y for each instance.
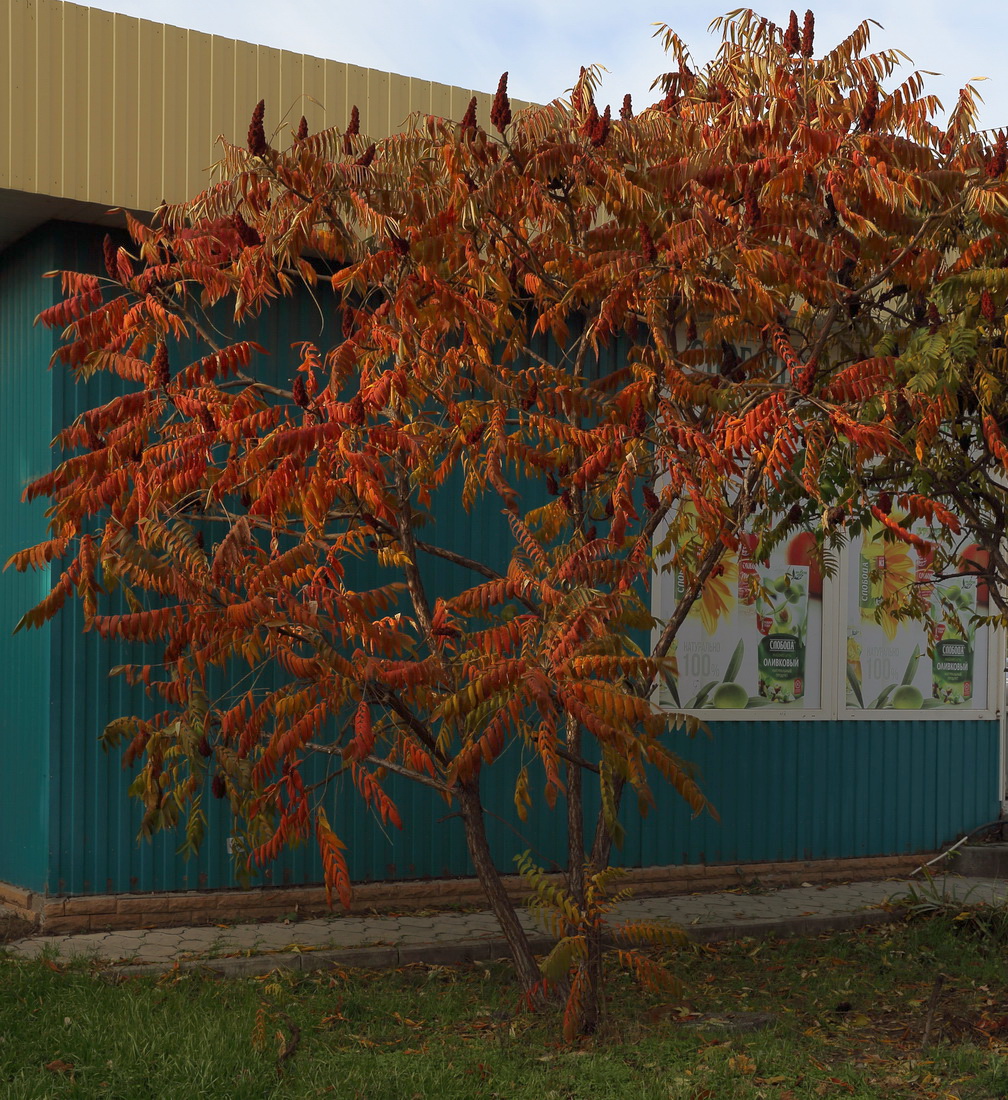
(894, 663)
(754, 636)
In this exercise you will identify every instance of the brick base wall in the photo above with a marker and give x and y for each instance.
(98, 912)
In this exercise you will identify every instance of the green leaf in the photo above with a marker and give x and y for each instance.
(883, 697)
(559, 961)
(195, 830)
(855, 684)
(911, 668)
(700, 698)
(669, 680)
(735, 663)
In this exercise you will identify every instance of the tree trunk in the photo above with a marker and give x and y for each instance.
(490, 880)
(575, 816)
(591, 998)
(602, 847)
(579, 868)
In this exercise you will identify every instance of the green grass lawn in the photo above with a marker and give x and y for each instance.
(841, 1015)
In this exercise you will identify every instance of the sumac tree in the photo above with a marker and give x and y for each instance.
(542, 315)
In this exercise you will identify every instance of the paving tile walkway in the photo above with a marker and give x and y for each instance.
(451, 937)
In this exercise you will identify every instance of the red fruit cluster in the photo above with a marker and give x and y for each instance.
(752, 209)
(638, 419)
(669, 102)
(866, 120)
(300, 392)
(468, 123)
(109, 252)
(352, 130)
(162, 372)
(500, 112)
(591, 120)
(577, 97)
(792, 36)
(995, 167)
(808, 35)
(600, 131)
(256, 134)
(248, 235)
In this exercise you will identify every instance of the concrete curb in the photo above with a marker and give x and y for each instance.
(485, 949)
(787, 927)
(366, 958)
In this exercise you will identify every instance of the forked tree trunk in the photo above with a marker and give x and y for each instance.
(490, 880)
(602, 846)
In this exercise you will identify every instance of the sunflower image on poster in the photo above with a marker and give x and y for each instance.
(745, 641)
(899, 663)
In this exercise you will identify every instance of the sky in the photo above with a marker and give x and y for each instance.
(543, 43)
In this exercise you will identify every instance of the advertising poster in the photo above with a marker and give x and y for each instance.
(753, 638)
(894, 663)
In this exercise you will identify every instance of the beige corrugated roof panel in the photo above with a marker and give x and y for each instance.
(104, 110)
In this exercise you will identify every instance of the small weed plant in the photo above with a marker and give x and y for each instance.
(966, 914)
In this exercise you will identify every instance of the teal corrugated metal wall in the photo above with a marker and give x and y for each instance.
(783, 790)
(93, 822)
(25, 432)
(825, 790)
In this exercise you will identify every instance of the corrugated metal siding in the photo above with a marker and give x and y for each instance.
(94, 823)
(822, 790)
(783, 790)
(25, 431)
(110, 109)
